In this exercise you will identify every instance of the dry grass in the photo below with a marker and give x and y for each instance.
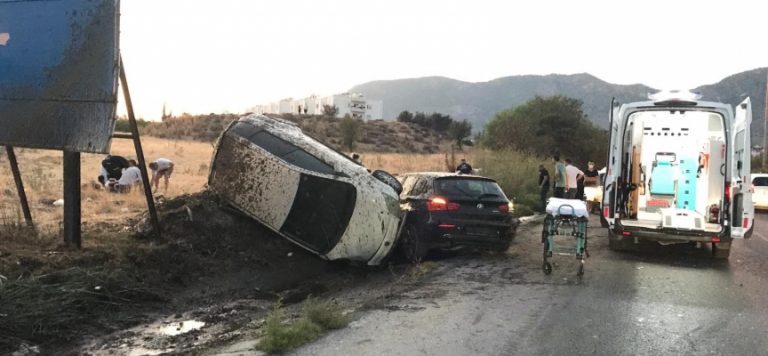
(398, 163)
(42, 174)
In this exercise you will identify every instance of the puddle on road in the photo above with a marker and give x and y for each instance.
(181, 327)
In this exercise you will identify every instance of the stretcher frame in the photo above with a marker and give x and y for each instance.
(565, 223)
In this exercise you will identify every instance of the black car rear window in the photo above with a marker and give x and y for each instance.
(320, 213)
(464, 188)
(281, 148)
(760, 182)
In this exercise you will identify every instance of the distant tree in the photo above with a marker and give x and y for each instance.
(419, 118)
(435, 121)
(405, 116)
(350, 131)
(548, 125)
(460, 130)
(123, 125)
(330, 110)
(439, 122)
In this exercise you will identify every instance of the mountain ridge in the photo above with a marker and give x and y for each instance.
(479, 101)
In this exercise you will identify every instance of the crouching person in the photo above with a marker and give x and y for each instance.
(130, 178)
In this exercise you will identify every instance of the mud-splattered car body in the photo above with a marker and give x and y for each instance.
(306, 191)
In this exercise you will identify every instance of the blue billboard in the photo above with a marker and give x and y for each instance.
(58, 73)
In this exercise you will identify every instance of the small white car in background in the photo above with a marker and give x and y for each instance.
(760, 194)
(305, 191)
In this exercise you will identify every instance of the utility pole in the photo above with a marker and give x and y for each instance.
(765, 125)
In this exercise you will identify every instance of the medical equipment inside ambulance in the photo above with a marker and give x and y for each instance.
(677, 169)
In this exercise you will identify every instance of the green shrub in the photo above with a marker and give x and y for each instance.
(317, 316)
(517, 173)
(325, 313)
(280, 336)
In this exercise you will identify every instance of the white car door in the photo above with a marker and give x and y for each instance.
(613, 164)
(741, 185)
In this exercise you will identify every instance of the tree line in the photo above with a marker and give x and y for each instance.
(457, 130)
(545, 126)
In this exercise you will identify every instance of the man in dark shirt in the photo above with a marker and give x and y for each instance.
(464, 167)
(543, 186)
(112, 168)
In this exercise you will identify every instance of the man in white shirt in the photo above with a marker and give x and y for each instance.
(131, 176)
(572, 176)
(162, 167)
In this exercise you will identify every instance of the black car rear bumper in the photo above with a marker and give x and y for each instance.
(457, 240)
(484, 236)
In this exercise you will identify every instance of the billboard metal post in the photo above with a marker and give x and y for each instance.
(72, 199)
(19, 185)
(139, 152)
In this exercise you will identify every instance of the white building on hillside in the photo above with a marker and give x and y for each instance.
(355, 105)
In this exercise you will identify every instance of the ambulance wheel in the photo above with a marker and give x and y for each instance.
(547, 267)
(721, 251)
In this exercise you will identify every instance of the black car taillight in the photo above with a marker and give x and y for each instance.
(441, 204)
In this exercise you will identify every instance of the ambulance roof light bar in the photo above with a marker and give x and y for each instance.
(675, 96)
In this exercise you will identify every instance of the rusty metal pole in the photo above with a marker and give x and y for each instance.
(72, 216)
(139, 151)
(19, 185)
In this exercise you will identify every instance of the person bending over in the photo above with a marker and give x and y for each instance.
(162, 167)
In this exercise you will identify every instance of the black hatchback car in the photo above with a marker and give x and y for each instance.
(447, 211)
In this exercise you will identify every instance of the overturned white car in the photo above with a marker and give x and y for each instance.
(306, 191)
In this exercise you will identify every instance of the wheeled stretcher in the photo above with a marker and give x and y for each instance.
(566, 218)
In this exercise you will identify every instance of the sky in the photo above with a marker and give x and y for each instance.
(228, 55)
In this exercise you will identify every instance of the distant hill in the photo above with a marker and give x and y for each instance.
(375, 136)
(735, 88)
(478, 102)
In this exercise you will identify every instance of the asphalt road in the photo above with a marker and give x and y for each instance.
(661, 300)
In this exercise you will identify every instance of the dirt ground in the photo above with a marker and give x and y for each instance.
(124, 291)
(230, 320)
(207, 283)
(206, 256)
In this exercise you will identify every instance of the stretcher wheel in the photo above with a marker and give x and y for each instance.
(547, 267)
(580, 272)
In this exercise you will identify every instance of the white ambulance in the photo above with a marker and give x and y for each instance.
(678, 172)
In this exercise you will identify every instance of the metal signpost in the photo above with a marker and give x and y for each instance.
(59, 66)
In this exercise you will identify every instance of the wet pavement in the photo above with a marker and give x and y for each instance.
(660, 300)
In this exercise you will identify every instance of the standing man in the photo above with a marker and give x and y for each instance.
(464, 167)
(543, 186)
(560, 181)
(573, 175)
(162, 167)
